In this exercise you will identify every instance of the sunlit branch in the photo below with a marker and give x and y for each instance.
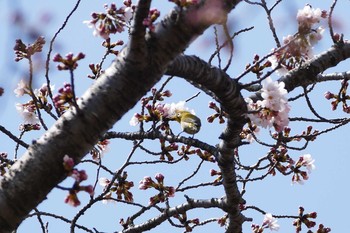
(190, 204)
(156, 135)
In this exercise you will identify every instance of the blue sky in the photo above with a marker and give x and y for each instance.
(326, 192)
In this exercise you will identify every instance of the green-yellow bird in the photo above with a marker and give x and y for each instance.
(189, 122)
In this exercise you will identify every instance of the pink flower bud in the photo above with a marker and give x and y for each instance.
(256, 57)
(334, 105)
(68, 163)
(89, 189)
(195, 221)
(210, 119)
(80, 56)
(328, 95)
(171, 191)
(69, 56)
(212, 104)
(83, 175)
(213, 172)
(146, 183)
(159, 177)
(167, 93)
(313, 215)
(143, 186)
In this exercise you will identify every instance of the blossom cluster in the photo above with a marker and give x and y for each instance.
(257, 67)
(307, 220)
(153, 15)
(273, 110)
(166, 149)
(64, 98)
(304, 161)
(220, 114)
(341, 97)
(23, 51)
(121, 187)
(284, 163)
(28, 110)
(157, 111)
(39, 100)
(113, 21)
(308, 17)
(79, 176)
(298, 48)
(164, 191)
(182, 217)
(309, 134)
(280, 160)
(69, 62)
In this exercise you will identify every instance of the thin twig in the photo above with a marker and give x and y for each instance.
(60, 218)
(13, 137)
(190, 176)
(35, 100)
(330, 23)
(47, 64)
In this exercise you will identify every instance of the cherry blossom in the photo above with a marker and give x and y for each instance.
(270, 222)
(104, 182)
(299, 47)
(128, 13)
(22, 88)
(135, 120)
(113, 21)
(171, 109)
(273, 109)
(164, 191)
(308, 16)
(273, 94)
(27, 113)
(304, 161)
(308, 162)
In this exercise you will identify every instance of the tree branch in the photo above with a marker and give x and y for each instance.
(190, 204)
(156, 135)
(227, 92)
(13, 137)
(111, 96)
(307, 73)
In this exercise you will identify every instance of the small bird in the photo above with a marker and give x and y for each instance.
(189, 122)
